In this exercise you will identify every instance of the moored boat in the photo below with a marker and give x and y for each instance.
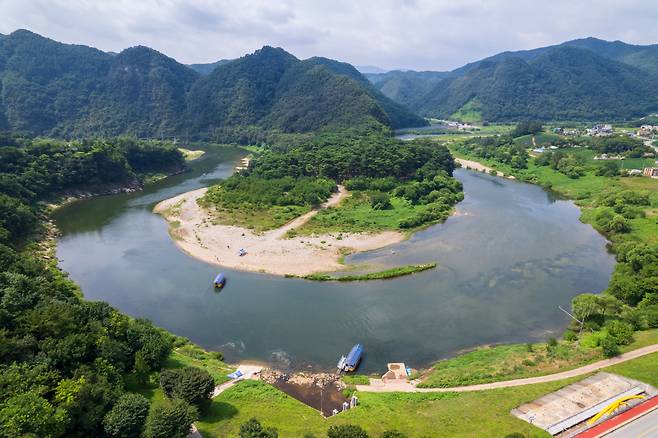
(351, 361)
(220, 280)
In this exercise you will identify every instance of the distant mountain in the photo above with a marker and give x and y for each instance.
(405, 86)
(273, 88)
(587, 79)
(563, 84)
(366, 69)
(50, 88)
(206, 69)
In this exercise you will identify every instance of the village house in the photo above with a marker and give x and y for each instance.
(651, 172)
(647, 130)
(600, 131)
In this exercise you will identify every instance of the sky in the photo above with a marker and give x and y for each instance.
(391, 34)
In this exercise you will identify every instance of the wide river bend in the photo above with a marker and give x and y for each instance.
(509, 256)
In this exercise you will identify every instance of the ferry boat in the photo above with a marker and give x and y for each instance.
(220, 280)
(351, 361)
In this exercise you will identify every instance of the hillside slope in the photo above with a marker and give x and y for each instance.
(588, 79)
(50, 88)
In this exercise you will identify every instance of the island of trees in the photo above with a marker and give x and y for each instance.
(394, 184)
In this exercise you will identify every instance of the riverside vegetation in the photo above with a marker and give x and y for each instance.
(394, 184)
(66, 363)
(621, 207)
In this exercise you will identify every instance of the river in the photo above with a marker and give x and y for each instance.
(508, 257)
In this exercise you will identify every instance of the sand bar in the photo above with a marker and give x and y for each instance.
(192, 229)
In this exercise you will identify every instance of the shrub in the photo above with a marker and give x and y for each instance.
(622, 332)
(609, 346)
(393, 434)
(253, 429)
(126, 419)
(191, 384)
(346, 431)
(379, 200)
(570, 335)
(170, 420)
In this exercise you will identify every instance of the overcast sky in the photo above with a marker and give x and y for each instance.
(412, 34)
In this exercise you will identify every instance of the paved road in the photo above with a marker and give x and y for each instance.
(378, 385)
(644, 427)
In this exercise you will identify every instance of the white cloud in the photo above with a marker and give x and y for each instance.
(420, 34)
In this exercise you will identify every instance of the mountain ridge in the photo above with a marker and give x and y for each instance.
(68, 90)
(437, 94)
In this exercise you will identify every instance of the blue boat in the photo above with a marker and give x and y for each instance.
(351, 362)
(220, 280)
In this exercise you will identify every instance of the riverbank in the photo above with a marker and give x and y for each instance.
(475, 165)
(270, 252)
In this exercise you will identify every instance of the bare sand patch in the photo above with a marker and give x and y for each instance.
(469, 164)
(192, 229)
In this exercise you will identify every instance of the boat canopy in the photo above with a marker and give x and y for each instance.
(220, 278)
(354, 356)
(235, 375)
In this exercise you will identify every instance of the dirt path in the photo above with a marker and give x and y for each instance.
(248, 371)
(335, 199)
(274, 252)
(378, 385)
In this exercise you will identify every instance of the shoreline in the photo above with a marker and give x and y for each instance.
(479, 167)
(270, 252)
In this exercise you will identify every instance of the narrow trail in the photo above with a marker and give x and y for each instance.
(378, 385)
(333, 200)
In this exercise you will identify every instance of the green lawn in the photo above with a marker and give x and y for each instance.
(355, 214)
(191, 155)
(541, 139)
(469, 113)
(188, 355)
(417, 415)
(258, 220)
(644, 369)
(506, 362)
(516, 361)
(470, 414)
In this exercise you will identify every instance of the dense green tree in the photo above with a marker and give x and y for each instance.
(346, 431)
(527, 127)
(609, 346)
(127, 417)
(253, 429)
(29, 414)
(170, 420)
(191, 384)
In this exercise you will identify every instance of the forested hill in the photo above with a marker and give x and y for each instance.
(562, 84)
(50, 88)
(587, 79)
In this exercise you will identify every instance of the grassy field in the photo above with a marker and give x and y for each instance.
(418, 415)
(644, 369)
(188, 355)
(481, 413)
(516, 361)
(399, 271)
(541, 139)
(469, 113)
(258, 220)
(355, 214)
(191, 155)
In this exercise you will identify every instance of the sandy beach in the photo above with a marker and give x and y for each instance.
(469, 164)
(270, 252)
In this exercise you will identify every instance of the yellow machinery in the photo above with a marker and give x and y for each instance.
(612, 407)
